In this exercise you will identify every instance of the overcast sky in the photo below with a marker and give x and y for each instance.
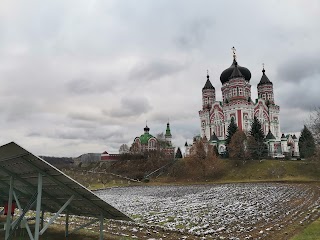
(83, 76)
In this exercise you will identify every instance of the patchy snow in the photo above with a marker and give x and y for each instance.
(218, 211)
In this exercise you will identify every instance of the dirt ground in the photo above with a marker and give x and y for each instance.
(125, 230)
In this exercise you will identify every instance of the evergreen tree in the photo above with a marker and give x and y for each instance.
(256, 130)
(306, 143)
(256, 144)
(178, 153)
(231, 130)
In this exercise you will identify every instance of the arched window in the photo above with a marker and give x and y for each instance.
(152, 144)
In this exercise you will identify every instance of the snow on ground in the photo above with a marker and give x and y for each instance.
(231, 211)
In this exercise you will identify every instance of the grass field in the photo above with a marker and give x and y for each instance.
(271, 170)
(311, 232)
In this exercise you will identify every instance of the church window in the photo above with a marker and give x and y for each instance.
(264, 96)
(269, 96)
(234, 92)
(152, 144)
(240, 91)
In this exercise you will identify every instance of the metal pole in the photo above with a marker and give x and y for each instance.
(101, 227)
(67, 224)
(38, 208)
(42, 218)
(56, 215)
(8, 222)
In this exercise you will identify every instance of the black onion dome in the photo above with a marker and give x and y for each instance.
(208, 84)
(264, 79)
(236, 72)
(146, 129)
(226, 74)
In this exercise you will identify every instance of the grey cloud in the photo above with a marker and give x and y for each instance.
(303, 95)
(83, 116)
(131, 107)
(20, 109)
(85, 86)
(293, 119)
(300, 67)
(193, 33)
(155, 70)
(170, 114)
(142, 63)
(91, 135)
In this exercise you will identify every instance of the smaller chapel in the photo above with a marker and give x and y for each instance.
(237, 104)
(146, 142)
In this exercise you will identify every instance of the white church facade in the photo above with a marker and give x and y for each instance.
(215, 116)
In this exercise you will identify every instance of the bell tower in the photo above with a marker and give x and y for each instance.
(208, 94)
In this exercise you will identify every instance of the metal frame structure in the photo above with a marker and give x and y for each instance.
(36, 185)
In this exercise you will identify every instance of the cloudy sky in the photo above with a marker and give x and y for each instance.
(83, 76)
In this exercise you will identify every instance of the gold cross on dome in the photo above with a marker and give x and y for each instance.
(234, 52)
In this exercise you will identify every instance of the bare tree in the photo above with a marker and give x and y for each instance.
(203, 161)
(161, 140)
(237, 146)
(123, 149)
(314, 124)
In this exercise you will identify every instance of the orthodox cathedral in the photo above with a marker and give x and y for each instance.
(215, 116)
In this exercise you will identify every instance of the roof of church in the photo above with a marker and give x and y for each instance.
(294, 136)
(270, 135)
(214, 137)
(224, 77)
(264, 79)
(208, 84)
(236, 72)
(186, 144)
(144, 138)
(283, 136)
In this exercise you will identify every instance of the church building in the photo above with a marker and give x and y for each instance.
(146, 142)
(215, 116)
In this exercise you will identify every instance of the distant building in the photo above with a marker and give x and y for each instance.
(215, 116)
(146, 142)
(105, 156)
